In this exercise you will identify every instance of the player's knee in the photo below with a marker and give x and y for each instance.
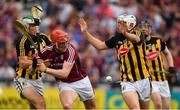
(134, 107)
(67, 105)
(41, 104)
(158, 105)
(167, 107)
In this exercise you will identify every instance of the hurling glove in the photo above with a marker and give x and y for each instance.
(172, 70)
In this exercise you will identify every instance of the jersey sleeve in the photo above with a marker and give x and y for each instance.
(46, 39)
(163, 45)
(72, 54)
(112, 42)
(22, 47)
(45, 51)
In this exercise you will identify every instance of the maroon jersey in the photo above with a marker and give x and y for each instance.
(57, 59)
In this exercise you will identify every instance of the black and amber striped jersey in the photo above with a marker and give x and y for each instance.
(25, 48)
(155, 46)
(131, 57)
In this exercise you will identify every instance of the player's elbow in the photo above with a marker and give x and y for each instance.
(137, 40)
(64, 74)
(167, 53)
(101, 46)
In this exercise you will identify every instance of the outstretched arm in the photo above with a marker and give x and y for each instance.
(100, 45)
(172, 70)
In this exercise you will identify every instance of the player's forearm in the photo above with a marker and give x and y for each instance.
(169, 58)
(60, 73)
(98, 44)
(132, 37)
(25, 63)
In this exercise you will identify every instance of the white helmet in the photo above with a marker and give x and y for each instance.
(121, 17)
(28, 19)
(31, 20)
(130, 21)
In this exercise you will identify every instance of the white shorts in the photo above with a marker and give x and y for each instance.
(142, 87)
(82, 87)
(162, 87)
(22, 83)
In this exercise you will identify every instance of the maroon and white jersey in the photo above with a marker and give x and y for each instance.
(57, 59)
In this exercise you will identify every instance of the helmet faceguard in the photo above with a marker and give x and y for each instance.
(145, 27)
(130, 22)
(129, 19)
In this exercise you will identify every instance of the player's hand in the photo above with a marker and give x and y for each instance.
(122, 27)
(172, 71)
(41, 66)
(83, 25)
(47, 62)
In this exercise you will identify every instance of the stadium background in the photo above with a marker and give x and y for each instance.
(101, 17)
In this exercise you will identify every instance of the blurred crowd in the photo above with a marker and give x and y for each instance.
(101, 17)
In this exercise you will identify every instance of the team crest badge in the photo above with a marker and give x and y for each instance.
(148, 46)
(62, 57)
(120, 43)
(152, 55)
(123, 51)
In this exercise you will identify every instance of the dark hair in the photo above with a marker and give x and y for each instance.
(145, 22)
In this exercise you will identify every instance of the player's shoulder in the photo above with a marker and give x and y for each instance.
(21, 40)
(155, 37)
(47, 48)
(43, 34)
(46, 38)
(117, 36)
(71, 48)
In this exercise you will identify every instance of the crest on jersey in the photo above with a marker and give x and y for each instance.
(123, 51)
(62, 57)
(152, 55)
(148, 46)
(120, 43)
